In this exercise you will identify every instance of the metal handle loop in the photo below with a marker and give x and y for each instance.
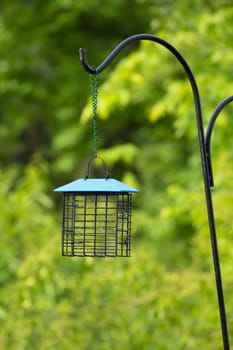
(106, 172)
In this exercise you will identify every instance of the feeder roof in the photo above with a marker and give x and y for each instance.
(95, 185)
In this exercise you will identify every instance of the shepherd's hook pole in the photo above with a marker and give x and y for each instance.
(201, 137)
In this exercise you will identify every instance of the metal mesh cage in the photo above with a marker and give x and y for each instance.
(96, 224)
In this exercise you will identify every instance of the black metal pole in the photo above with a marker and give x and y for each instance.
(201, 137)
(209, 130)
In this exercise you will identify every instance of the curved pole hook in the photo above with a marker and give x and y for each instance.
(189, 73)
(209, 130)
(201, 136)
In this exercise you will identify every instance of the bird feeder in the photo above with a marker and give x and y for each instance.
(96, 217)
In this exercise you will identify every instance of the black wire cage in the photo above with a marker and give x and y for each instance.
(96, 220)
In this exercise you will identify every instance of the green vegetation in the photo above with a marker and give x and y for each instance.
(164, 296)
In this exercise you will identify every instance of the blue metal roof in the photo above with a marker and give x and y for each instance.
(95, 185)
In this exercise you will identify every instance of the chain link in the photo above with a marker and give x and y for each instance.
(94, 98)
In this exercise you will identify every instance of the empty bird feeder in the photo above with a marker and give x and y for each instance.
(96, 217)
(96, 212)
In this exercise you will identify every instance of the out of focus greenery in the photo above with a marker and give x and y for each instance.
(163, 297)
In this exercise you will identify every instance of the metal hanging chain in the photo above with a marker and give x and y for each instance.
(94, 97)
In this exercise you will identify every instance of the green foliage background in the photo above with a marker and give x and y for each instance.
(164, 296)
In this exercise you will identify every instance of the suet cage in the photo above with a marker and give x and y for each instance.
(96, 219)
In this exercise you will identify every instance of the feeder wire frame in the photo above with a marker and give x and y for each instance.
(96, 224)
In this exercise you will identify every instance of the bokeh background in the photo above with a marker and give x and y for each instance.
(163, 297)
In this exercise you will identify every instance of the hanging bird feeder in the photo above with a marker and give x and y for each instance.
(96, 212)
(96, 217)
